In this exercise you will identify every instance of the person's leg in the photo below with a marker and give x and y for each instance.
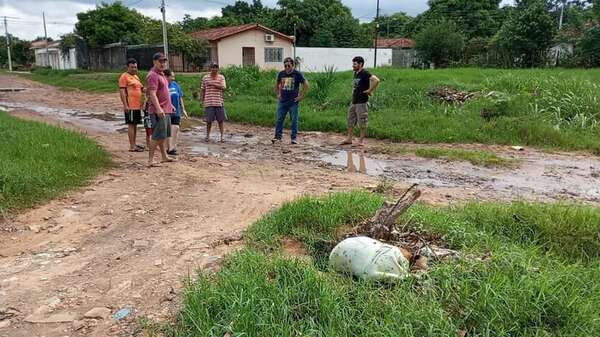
(281, 112)
(294, 117)
(363, 120)
(350, 162)
(154, 122)
(165, 144)
(221, 130)
(208, 127)
(131, 135)
(351, 120)
(174, 135)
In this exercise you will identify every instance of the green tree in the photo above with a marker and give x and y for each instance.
(588, 48)
(528, 34)
(179, 41)
(440, 43)
(393, 26)
(110, 23)
(475, 18)
(20, 52)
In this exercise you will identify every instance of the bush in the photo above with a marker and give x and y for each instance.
(440, 43)
(588, 48)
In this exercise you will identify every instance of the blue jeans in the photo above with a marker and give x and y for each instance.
(282, 110)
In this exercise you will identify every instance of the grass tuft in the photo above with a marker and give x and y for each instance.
(39, 161)
(542, 277)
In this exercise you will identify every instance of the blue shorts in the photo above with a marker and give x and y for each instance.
(175, 119)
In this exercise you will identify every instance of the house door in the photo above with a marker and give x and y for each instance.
(248, 56)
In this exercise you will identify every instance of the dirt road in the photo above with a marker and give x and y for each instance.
(129, 239)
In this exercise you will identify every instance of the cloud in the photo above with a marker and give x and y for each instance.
(61, 14)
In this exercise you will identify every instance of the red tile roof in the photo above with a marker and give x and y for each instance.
(395, 43)
(42, 44)
(216, 34)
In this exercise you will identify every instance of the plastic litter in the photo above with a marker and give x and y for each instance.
(122, 313)
(369, 259)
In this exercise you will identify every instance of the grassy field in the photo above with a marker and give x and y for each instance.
(39, 161)
(555, 109)
(541, 277)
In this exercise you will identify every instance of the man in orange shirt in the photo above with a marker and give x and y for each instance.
(131, 89)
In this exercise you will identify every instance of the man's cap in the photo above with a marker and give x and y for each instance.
(213, 65)
(158, 56)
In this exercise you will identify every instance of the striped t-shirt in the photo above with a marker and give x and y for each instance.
(212, 95)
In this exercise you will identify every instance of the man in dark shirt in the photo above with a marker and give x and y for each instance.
(358, 113)
(289, 95)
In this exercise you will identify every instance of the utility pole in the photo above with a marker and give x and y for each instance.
(376, 34)
(46, 39)
(562, 14)
(7, 45)
(294, 43)
(164, 27)
(560, 24)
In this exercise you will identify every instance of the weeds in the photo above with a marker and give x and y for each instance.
(38, 162)
(555, 109)
(540, 277)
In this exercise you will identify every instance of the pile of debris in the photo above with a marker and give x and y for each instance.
(449, 95)
(375, 249)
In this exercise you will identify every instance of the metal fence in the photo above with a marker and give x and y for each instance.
(114, 56)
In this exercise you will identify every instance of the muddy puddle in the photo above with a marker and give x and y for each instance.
(539, 175)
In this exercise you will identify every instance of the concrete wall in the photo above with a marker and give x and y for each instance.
(317, 59)
(55, 58)
(229, 50)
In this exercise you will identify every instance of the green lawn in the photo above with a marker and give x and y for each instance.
(542, 277)
(39, 161)
(553, 108)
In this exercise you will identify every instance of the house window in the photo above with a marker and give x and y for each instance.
(273, 54)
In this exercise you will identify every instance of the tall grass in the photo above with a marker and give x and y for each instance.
(39, 161)
(526, 270)
(552, 108)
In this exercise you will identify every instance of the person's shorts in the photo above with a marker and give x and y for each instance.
(215, 113)
(133, 117)
(147, 124)
(175, 120)
(358, 114)
(161, 127)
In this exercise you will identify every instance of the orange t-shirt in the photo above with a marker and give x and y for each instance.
(133, 89)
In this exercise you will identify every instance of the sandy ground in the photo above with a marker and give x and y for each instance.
(132, 237)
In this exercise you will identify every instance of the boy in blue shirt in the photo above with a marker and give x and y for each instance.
(177, 101)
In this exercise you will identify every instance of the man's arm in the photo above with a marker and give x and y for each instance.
(154, 100)
(123, 93)
(278, 88)
(304, 91)
(218, 84)
(373, 84)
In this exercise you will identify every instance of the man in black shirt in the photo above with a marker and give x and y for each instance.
(358, 113)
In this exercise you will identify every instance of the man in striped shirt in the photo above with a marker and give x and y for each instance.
(211, 95)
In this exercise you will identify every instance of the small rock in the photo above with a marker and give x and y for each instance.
(4, 324)
(140, 243)
(34, 228)
(78, 324)
(517, 148)
(99, 312)
(62, 317)
(157, 263)
(225, 164)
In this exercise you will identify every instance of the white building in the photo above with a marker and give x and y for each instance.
(50, 55)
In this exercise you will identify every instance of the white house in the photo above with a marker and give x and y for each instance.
(49, 54)
(250, 44)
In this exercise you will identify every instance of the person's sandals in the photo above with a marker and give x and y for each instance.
(346, 142)
(172, 152)
(137, 149)
(275, 140)
(294, 142)
(141, 147)
(169, 160)
(154, 165)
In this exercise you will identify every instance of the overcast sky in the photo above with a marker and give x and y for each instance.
(26, 15)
